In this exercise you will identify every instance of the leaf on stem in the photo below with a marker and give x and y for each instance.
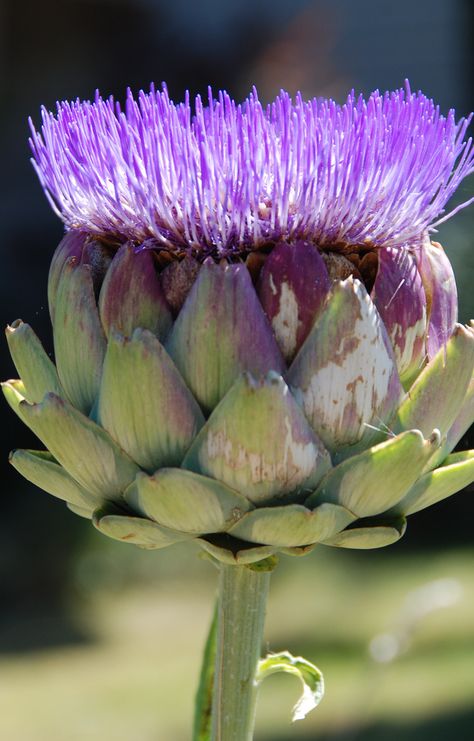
(309, 675)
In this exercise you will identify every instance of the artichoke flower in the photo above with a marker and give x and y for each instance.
(256, 342)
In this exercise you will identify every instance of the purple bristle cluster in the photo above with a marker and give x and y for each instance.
(227, 177)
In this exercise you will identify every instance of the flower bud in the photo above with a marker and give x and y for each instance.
(255, 342)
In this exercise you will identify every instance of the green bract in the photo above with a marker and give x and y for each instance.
(237, 405)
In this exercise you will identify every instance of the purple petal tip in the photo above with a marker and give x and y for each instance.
(228, 177)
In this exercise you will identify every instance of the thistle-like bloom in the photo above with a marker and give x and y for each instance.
(256, 342)
(232, 177)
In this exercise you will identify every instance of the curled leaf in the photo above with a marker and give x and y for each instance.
(308, 674)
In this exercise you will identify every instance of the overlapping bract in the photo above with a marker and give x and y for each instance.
(255, 341)
(261, 416)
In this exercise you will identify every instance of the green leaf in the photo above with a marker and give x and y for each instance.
(308, 674)
(203, 701)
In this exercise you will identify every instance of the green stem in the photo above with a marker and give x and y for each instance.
(241, 615)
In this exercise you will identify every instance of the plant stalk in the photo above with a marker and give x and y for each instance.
(240, 619)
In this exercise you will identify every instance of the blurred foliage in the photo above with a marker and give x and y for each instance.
(144, 618)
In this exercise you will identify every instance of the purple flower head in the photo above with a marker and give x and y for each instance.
(231, 177)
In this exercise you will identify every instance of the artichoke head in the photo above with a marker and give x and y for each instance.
(289, 396)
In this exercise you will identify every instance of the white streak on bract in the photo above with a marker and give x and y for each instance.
(361, 381)
(403, 340)
(273, 287)
(283, 470)
(301, 456)
(285, 323)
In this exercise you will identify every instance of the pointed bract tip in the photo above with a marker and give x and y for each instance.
(10, 328)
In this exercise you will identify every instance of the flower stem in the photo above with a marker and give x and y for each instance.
(240, 619)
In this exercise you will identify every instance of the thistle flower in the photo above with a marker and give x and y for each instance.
(256, 341)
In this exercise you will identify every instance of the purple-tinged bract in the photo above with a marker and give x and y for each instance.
(228, 177)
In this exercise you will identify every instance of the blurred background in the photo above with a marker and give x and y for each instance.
(99, 640)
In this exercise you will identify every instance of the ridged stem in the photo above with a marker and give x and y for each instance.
(240, 619)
